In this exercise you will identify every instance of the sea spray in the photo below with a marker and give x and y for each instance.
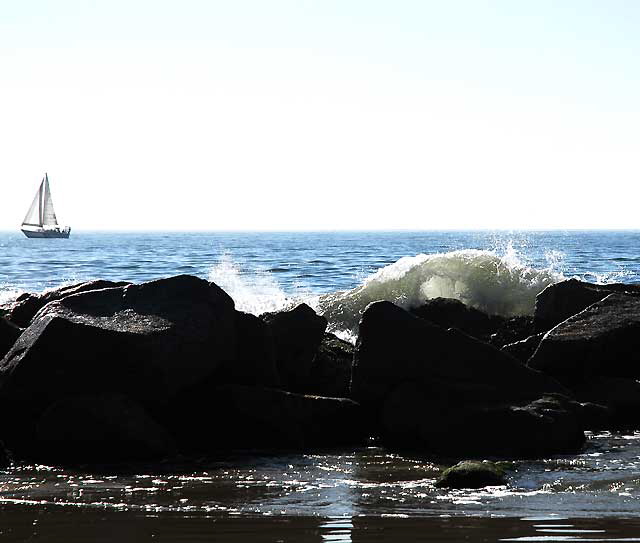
(496, 284)
(254, 292)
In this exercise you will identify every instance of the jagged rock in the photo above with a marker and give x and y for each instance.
(147, 341)
(522, 350)
(99, 429)
(9, 333)
(472, 474)
(442, 391)
(452, 313)
(331, 368)
(602, 340)
(27, 305)
(233, 417)
(562, 300)
(297, 335)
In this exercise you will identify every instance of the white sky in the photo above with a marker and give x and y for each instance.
(241, 114)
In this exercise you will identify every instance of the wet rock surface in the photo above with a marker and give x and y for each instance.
(472, 474)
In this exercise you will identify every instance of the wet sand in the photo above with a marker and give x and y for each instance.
(51, 523)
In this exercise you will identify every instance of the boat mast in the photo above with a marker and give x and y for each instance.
(41, 201)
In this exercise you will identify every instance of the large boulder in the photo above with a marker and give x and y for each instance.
(245, 418)
(602, 340)
(330, 373)
(562, 300)
(99, 429)
(442, 391)
(297, 334)
(147, 341)
(9, 333)
(27, 305)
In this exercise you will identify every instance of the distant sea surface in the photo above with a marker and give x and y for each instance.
(498, 271)
(361, 495)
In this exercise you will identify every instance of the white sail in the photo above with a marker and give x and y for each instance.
(34, 215)
(48, 214)
(41, 221)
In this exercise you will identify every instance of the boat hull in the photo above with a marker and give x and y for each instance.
(46, 233)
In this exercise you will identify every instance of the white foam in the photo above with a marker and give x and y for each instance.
(255, 293)
(496, 284)
(8, 294)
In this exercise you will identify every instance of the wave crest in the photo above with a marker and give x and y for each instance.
(496, 284)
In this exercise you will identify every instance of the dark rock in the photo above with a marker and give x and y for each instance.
(5, 456)
(437, 420)
(147, 341)
(443, 391)
(297, 335)
(99, 429)
(523, 350)
(331, 368)
(472, 474)
(494, 329)
(510, 330)
(9, 333)
(620, 395)
(596, 417)
(232, 418)
(562, 300)
(602, 340)
(254, 363)
(27, 305)
(395, 347)
(452, 313)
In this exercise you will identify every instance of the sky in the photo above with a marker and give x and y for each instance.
(322, 115)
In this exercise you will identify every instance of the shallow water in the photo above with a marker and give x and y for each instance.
(350, 496)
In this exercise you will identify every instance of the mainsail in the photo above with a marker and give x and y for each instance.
(41, 211)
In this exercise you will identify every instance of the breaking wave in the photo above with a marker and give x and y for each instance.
(496, 284)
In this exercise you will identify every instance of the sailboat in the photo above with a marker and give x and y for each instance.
(40, 221)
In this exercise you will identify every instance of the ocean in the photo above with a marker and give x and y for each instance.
(367, 494)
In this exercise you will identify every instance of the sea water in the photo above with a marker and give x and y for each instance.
(366, 494)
